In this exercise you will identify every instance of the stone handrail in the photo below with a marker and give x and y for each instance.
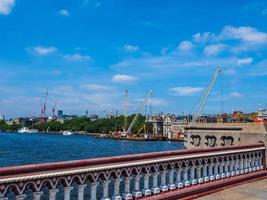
(130, 176)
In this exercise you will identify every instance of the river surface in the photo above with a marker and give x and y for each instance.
(21, 149)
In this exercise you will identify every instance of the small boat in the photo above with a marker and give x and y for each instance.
(67, 133)
(27, 130)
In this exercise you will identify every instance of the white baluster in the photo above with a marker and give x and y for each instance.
(216, 171)
(53, 194)
(199, 176)
(222, 164)
(37, 195)
(21, 197)
(137, 193)
(127, 194)
(146, 191)
(205, 174)
(67, 191)
(171, 185)
(179, 182)
(192, 175)
(211, 175)
(93, 190)
(232, 165)
(163, 186)
(81, 191)
(105, 190)
(116, 195)
(155, 188)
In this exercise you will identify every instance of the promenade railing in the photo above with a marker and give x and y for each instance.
(130, 176)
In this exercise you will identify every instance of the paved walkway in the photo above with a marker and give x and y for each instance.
(251, 191)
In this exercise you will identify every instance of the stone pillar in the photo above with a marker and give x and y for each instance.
(67, 192)
(37, 195)
(81, 191)
(137, 192)
(155, 188)
(127, 194)
(21, 197)
(53, 194)
(163, 186)
(93, 190)
(116, 194)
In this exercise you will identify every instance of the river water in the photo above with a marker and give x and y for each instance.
(21, 149)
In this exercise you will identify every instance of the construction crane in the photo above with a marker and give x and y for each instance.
(45, 104)
(54, 110)
(140, 110)
(205, 95)
(125, 112)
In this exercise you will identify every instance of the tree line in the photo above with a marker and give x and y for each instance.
(103, 125)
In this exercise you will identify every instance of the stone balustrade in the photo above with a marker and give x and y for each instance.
(129, 177)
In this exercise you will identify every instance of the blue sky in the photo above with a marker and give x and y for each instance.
(87, 52)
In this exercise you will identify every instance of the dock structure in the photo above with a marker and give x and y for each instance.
(162, 175)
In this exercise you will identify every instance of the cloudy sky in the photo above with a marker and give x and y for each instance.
(88, 52)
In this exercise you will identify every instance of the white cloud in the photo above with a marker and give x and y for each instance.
(186, 91)
(244, 61)
(131, 48)
(204, 37)
(214, 49)
(244, 33)
(94, 86)
(64, 12)
(185, 46)
(77, 57)
(236, 95)
(42, 51)
(123, 78)
(6, 6)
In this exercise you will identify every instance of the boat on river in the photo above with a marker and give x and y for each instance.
(67, 133)
(27, 130)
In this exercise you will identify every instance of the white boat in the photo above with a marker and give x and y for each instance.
(27, 130)
(67, 133)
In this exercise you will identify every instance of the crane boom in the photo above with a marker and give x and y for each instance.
(139, 111)
(205, 95)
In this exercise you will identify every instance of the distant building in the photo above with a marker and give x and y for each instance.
(262, 114)
(59, 113)
(24, 121)
(94, 117)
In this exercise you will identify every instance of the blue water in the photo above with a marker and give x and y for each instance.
(21, 149)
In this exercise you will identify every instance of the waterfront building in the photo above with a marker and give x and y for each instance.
(60, 113)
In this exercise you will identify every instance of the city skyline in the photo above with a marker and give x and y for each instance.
(88, 52)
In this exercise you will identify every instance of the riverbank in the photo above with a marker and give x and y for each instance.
(114, 137)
